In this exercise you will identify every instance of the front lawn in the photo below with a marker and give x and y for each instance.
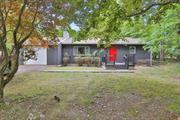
(149, 93)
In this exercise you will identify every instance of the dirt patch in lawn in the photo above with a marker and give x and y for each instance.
(129, 106)
(104, 106)
(177, 78)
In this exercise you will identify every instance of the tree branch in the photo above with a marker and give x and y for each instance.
(3, 25)
(32, 29)
(152, 5)
(19, 23)
(9, 8)
(3, 38)
(5, 56)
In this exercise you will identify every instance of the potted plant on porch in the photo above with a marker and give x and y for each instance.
(66, 59)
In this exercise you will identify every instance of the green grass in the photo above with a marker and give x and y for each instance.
(37, 90)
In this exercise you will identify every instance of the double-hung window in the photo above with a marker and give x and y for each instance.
(81, 50)
(132, 49)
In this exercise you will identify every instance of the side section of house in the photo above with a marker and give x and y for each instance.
(44, 56)
(41, 54)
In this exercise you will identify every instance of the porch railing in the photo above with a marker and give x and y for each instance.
(128, 61)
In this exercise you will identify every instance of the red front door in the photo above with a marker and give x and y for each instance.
(112, 54)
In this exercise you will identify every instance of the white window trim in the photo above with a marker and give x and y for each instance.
(75, 50)
(134, 50)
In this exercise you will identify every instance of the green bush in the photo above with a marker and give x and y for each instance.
(79, 60)
(88, 61)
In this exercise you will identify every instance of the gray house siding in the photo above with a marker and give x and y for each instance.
(141, 54)
(54, 55)
(69, 50)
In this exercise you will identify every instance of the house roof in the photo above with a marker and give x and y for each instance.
(66, 40)
(125, 41)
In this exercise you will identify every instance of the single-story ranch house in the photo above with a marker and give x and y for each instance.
(66, 46)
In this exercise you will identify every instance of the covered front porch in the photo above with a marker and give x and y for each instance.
(114, 57)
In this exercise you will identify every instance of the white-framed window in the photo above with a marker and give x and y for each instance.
(81, 50)
(132, 49)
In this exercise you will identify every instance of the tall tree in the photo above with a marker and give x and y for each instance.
(106, 18)
(163, 36)
(27, 20)
(157, 21)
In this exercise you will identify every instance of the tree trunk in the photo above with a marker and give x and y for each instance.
(1, 88)
(1, 94)
(161, 52)
(178, 58)
(9, 72)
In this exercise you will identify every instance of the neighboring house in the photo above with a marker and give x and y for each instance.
(54, 56)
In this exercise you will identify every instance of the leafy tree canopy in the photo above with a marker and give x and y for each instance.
(155, 21)
(107, 19)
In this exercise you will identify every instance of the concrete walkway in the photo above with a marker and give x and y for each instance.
(30, 68)
(91, 71)
(42, 68)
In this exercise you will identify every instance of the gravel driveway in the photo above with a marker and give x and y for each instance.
(31, 68)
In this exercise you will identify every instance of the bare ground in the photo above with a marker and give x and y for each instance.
(105, 106)
(129, 106)
(177, 78)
